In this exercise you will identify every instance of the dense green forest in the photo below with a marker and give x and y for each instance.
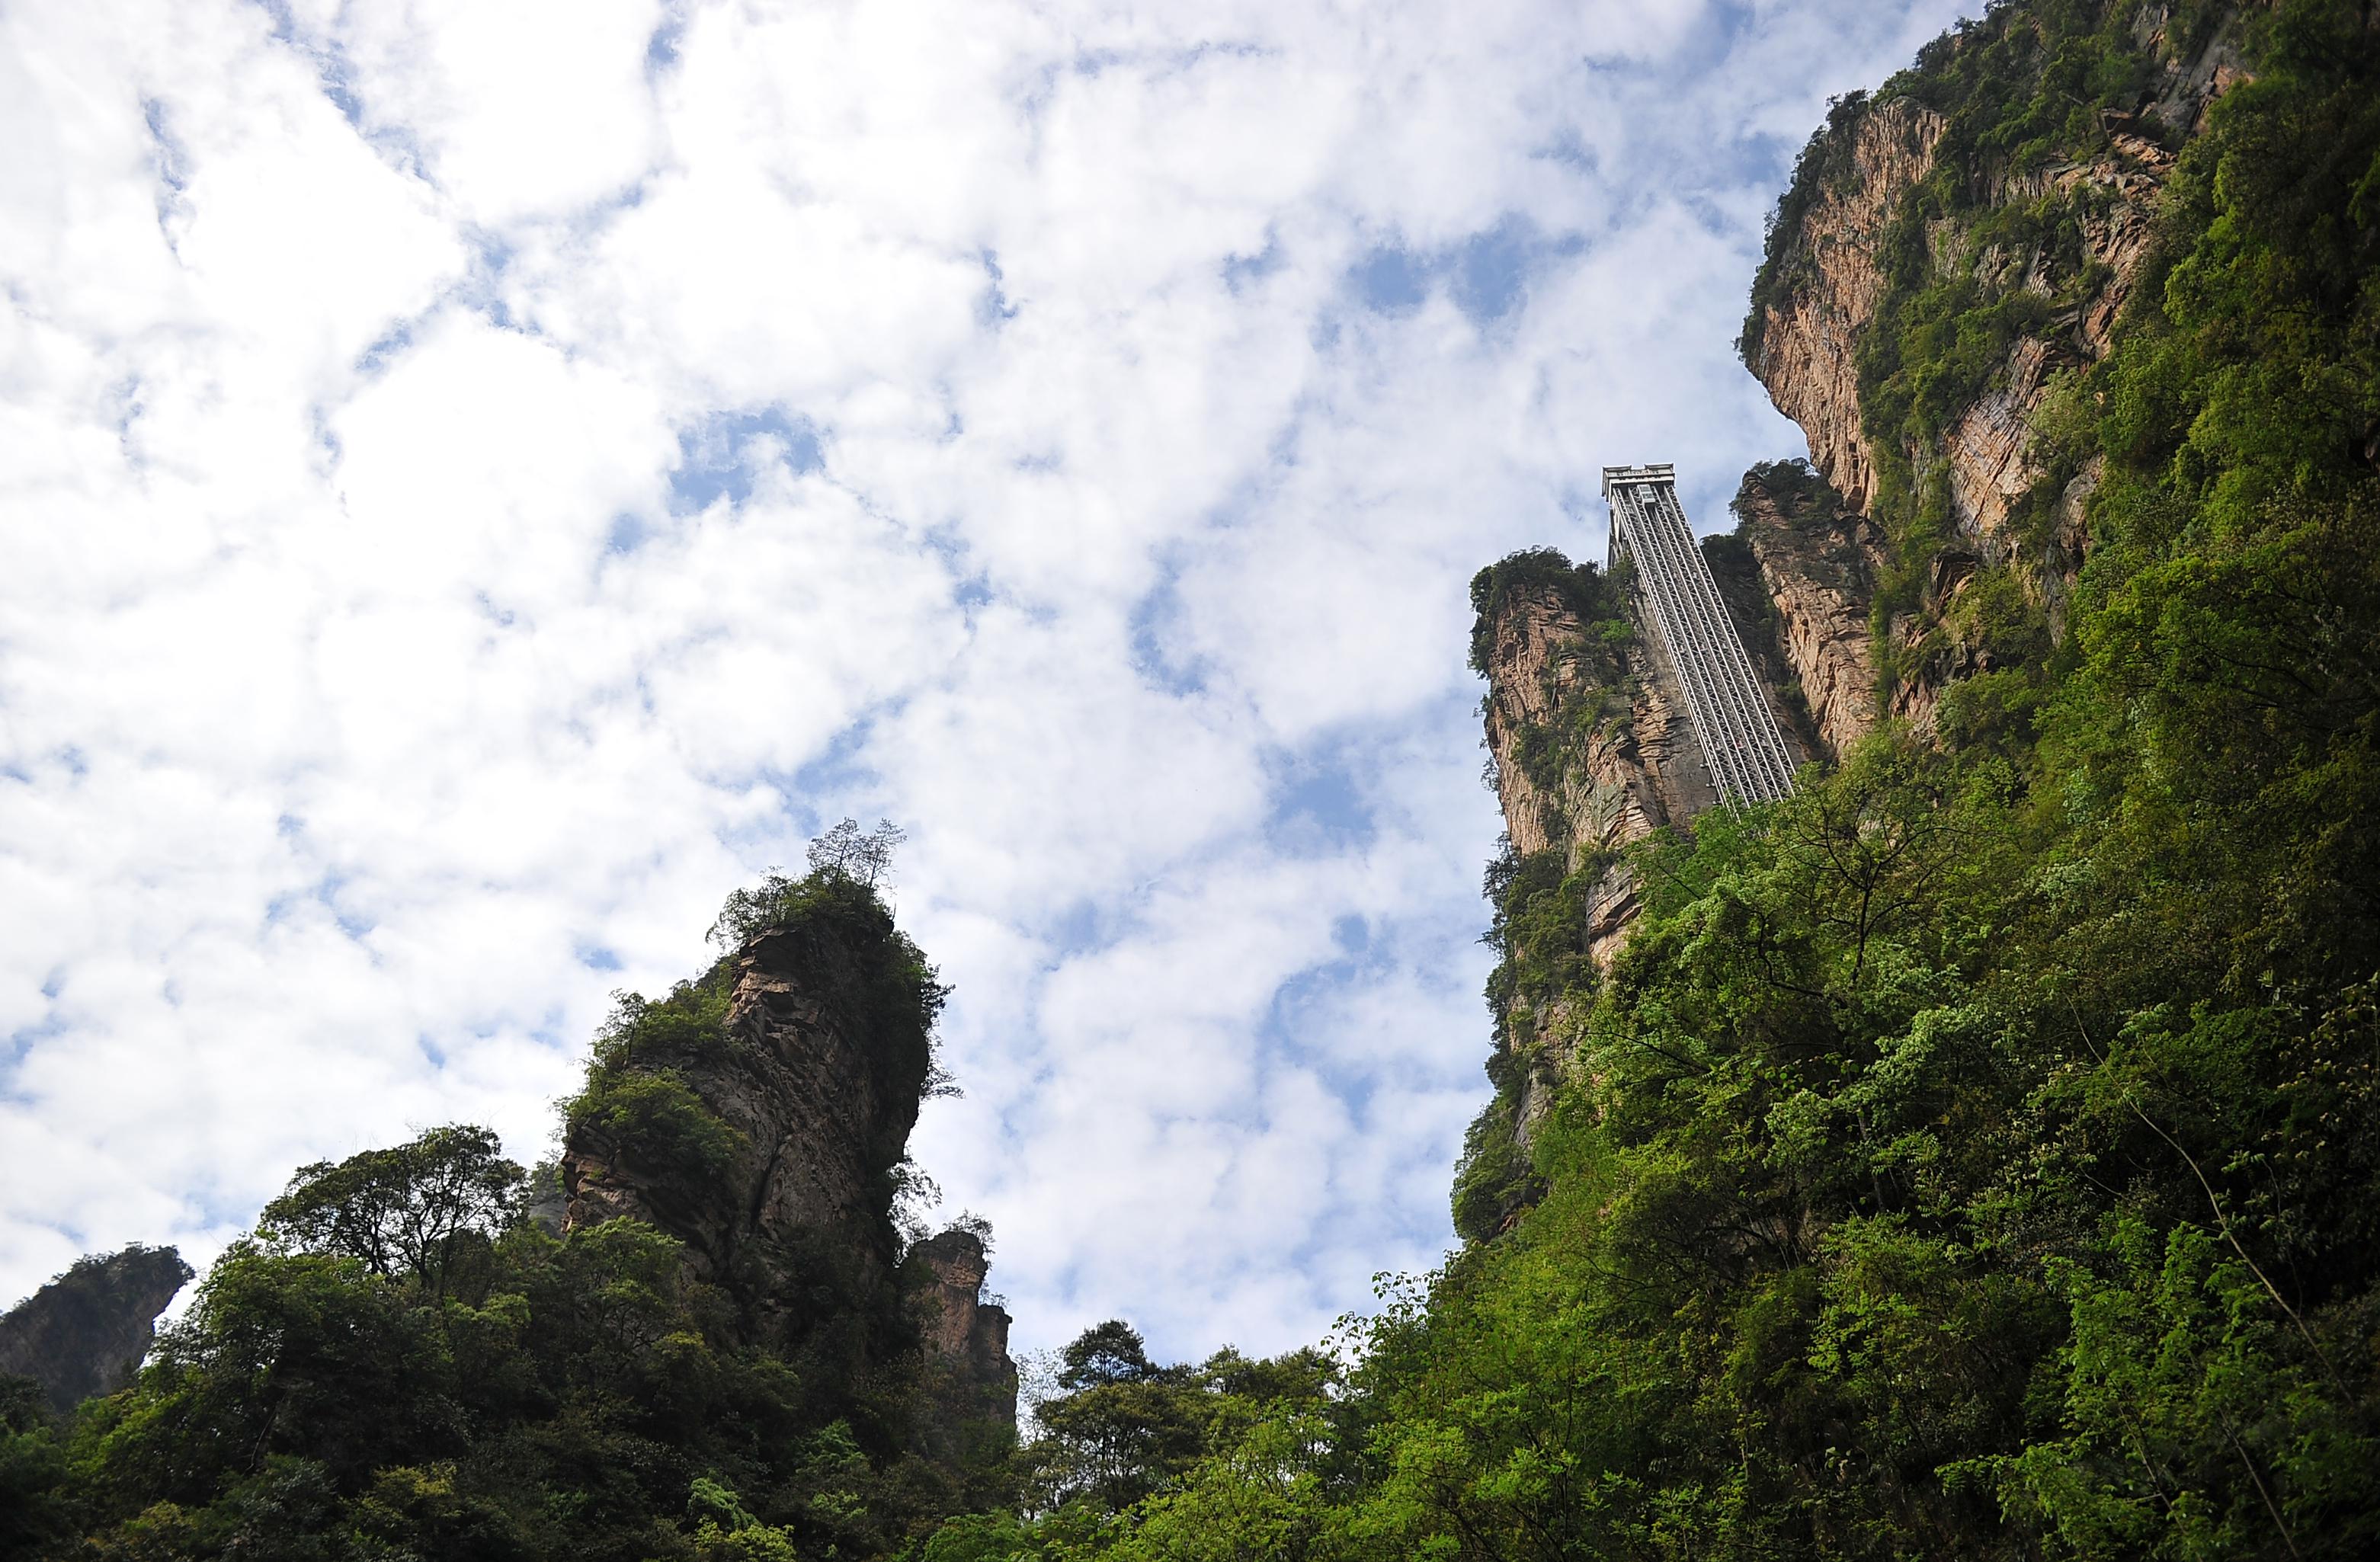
(1975, 1154)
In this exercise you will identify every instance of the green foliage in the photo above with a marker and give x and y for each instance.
(841, 932)
(398, 1364)
(593, 1403)
(1582, 589)
(1493, 1178)
(1124, 1427)
(1540, 913)
(1824, 167)
(424, 1211)
(32, 1469)
(655, 1118)
(687, 1026)
(1234, 1458)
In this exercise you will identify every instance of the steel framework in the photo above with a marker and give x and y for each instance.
(1730, 715)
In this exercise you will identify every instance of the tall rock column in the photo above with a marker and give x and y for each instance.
(1818, 564)
(760, 1115)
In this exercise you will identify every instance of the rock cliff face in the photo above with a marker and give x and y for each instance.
(806, 1052)
(1987, 456)
(1818, 562)
(1933, 535)
(1591, 745)
(1592, 750)
(1829, 278)
(1829, 282)
(819, 1126)
(2072, 237)
(964, 1332)
(85, 1333)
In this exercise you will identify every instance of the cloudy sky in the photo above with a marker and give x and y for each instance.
(479, 481)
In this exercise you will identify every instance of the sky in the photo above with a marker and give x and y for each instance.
(480, 481)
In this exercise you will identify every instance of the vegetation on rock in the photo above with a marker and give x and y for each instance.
(85, 1332)
(1977, 1153)
(400, 1363)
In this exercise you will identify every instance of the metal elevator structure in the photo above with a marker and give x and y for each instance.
(1725, 702)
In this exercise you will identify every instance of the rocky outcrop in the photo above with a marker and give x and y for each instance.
(1987, 454)
(965, 1332)
(1829, 277)
(792, 1219)
(1828, 282)
(1818, 562)
(1819, 295)
(1591, 745)
(1753, 606)
(86, 1332)
(1630, 766)
(1592, 750)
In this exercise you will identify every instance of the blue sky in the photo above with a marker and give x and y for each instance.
(486, 481)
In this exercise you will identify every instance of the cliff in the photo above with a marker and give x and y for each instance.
(1950, 254)
(761, 1117)
(964, 1331)
(85, 1333)
(1974, 1155)
(1590, 751)
(1816, 561)
(1589, 742)
(1821, 286)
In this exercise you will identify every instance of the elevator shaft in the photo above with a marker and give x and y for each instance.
(1732, 721)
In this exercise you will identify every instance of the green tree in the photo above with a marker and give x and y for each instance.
(420, 1211)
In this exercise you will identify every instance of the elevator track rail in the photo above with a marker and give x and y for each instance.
(1731, 718)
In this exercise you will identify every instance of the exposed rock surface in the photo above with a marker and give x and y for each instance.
(802, 1211)
(821, 1127)
(1817, 563)
(1987, 454)
(1829, 281)
(964, 1332)
(1632, 767)
(1735, 569)
(1593, 750)
(1827, 287)
(86, 1332)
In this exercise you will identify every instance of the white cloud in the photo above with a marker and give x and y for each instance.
(485, 480)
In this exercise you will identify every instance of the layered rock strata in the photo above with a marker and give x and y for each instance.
(1821, 296)
(1592, 750)
(1818, 564)
(819, 1125)
(964, 1331)
(796, 1228)
(1830, 279)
